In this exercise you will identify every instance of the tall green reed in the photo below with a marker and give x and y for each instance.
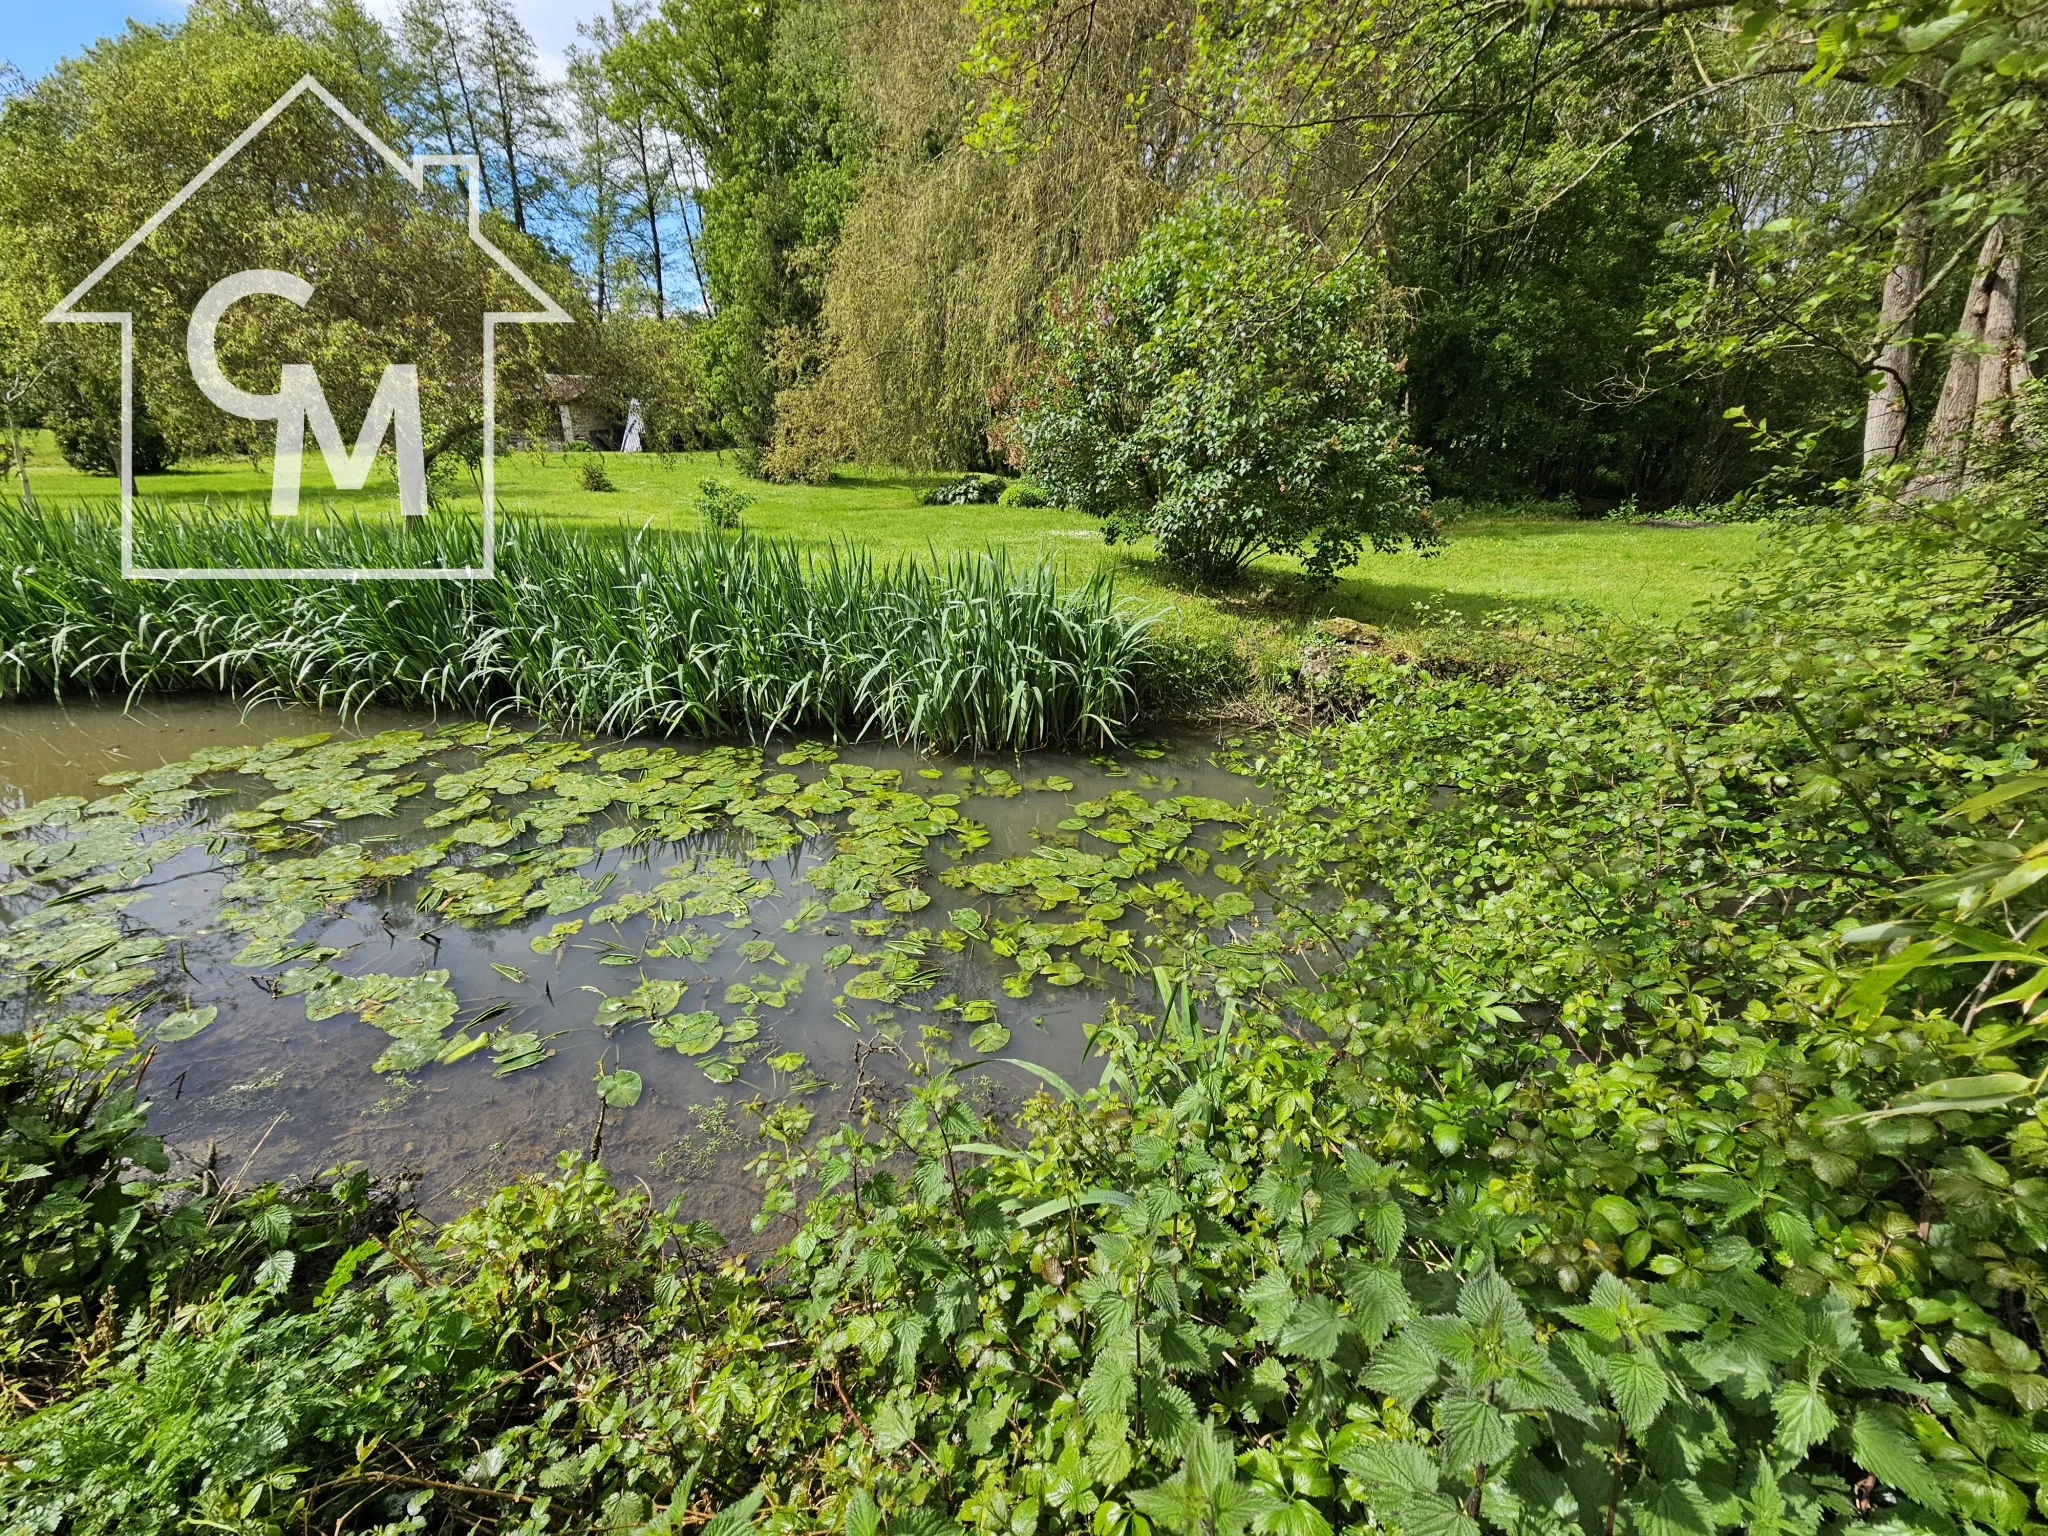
(605, 629)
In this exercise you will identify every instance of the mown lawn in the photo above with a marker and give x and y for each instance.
(1642, 574)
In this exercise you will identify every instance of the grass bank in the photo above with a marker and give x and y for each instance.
(594, 627)
(1492, 557)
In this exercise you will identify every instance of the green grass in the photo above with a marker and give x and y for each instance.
(1638, 574)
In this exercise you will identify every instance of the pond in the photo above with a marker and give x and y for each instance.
(456, 949)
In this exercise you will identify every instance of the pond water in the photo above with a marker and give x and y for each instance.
(458, 949)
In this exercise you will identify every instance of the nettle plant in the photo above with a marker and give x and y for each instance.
(1196, 1302)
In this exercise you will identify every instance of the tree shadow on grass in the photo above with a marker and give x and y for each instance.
(888, 478)
(1270, 591)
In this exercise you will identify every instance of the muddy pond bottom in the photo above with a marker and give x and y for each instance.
(455, 950)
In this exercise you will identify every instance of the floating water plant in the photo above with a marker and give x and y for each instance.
(646, 865)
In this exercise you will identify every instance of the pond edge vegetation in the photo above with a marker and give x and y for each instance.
(617, 631)
(1614, 1168)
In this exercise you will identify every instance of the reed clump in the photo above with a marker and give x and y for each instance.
(611, 630)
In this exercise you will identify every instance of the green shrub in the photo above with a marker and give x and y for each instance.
(1218, 391)
(720, 505)
(1451, 510)
(1740, 510)
(1022, 493)
(591, 473)
(85, 418)
(965, 491)
(90, 1225)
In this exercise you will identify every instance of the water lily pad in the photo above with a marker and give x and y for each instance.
(185, 1023)
(690, 944)
(652, 999)
(550, 942)
(516, 1052)
(620, 1089)
(693, 1034)
(989, 1037)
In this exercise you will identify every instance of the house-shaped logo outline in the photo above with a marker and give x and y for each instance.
(414, 172)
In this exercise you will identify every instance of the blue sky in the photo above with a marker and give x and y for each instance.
(35, 34)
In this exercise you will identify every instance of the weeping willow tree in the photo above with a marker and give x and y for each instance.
(934, 297)
(1005, 177)
(1023, 144)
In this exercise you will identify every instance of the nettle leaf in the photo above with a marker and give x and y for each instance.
(1107, 1390)
(1640, 1389)
(1804, 1417)
(275, 1272)
(1384, 1223)
(1378, 1300)
(1672, 1509)
(1437, 1514)
(1297, 1517)
(923, 1520)
(1399, 1468)
(910, 1336)
(1884, 1446)
(1205, 1496)
(1452, 1340)
(737, 1519)
(1529, 1378)
(1475, 1433)
(1403, 1368)
(1313, 1330)
(1270, 1300)
(1490, 1302)
(1169, 1413)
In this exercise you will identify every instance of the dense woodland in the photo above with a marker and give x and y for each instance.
(1629, 1120)
(1662, 253)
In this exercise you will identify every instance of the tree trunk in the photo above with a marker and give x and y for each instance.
(28, 498)
(511, 148)
(1944, 457)
(652, 193)
(456, 43)
(2002, 368)
(1884, 417)
(686, 199)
